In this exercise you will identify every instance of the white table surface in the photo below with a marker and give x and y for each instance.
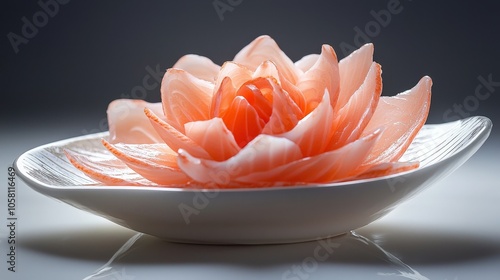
(450, 231)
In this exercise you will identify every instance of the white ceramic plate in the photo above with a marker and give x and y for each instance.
(252, 216)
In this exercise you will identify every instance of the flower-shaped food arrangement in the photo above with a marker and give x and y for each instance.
(261, 120)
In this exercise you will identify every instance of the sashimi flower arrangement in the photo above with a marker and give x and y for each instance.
(261, 120)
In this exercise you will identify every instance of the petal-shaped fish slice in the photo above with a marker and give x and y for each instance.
(267, 69)
(128, 124)
(265, 152)
(306, 62)
(324, 74)
(386, 168)
(259, 94)
(106, 168)
(214, 137)
(199, 66)
(402, 116)
(155, 162)
(352, 119)
(265, 48)
(223, 98)
(243, 121)
(323, 168)
(173, 138)
(238, 73)
(295, 94)
(313, 132)
(285, 114)
(185, 98)
(353, 70)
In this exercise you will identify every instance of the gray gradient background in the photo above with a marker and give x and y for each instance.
(92, 52)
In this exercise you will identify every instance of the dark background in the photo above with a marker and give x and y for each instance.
(91, 52)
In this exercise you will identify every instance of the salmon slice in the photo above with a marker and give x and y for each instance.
(105, 168)
(402, 116)
(144, 154)
(185, 98)
(174, 138)
(238, 73)
(214, 137)
(385, 169)
(323, 168)
(259, 94)
(222, 98)
(269, 70)
(265, 48)
(352, 71)
(257, 109)
(350, 121)
(306, 62)
(295, 94)
(324, 74)
(199, 66)
(128, 124)
(285, 113)
(155, 162)
(314, 131)
(263, 153)
(243, 121)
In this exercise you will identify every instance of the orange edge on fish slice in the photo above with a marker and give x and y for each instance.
(101, 177)
(171, 135)
(154, 171)
(123, 156)
(387, 168)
